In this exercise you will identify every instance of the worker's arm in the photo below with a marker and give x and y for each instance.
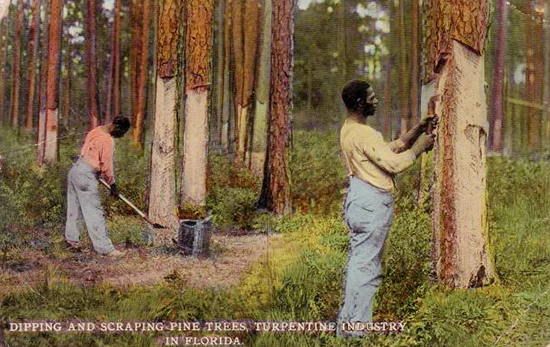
(106, 161)
(428, 121)
(380, 153)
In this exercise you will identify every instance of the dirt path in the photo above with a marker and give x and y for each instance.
(232, 259)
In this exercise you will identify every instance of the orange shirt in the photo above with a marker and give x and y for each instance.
(98, 151)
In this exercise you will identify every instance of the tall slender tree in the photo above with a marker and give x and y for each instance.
(42, 104)
(238, 58)
(259, 136)
(3, 56)
(16, 71)
(198, 42)
(454, 36)
(415, 63)
(67, 82)
(162, 191)
(52, 91)
(91, 59)
(135, 51)
(275, 194)
(33, 48)
(497, 89)
(112, 104)
(404, 69)
(227, 111)
(142, 74)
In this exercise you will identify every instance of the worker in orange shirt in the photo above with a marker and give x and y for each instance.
(83, 199)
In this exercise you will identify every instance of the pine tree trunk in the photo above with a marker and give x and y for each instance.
(135, 53)
(117, 60)
(404, 94)
(216, 122)
(238, 56)
(52, 91)
(113, 56)
(16, 65)
(91, 59)
(198, 43)
(415, 64)
(67, 85)
(33, 48)
(454, 63)
(275, 195)
(497, 90)
(42, 104)
(249, 74)
(227, 110)
(3, 56)
(259, 136)
(142, 76)
(162, 192)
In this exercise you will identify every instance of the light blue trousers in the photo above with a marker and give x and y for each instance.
(83, 200)
(368, 212)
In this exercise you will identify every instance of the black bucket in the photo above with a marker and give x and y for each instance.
(194, 237)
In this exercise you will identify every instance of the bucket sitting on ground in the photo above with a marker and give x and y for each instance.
(194, 237)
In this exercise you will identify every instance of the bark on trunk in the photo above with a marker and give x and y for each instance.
(135, 53)
(259, 136)
(3, 56)
(195, 140)
(227, 111)
(33, 48)
(455, 64)
(497, 91)
(52, 92)
(67, 85)
(91, 59)
(142, 76)
(275, 195)
(238, 56)
(162, 192)
(404, 94)
(414, 65)
(16, 65)
(44, 47)
(114, 68)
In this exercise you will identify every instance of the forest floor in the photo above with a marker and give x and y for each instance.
(231, 259)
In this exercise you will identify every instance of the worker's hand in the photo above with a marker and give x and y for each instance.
(429, 122)
(114, 191)
(424, 144)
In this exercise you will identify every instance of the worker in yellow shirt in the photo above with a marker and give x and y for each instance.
(368, 209)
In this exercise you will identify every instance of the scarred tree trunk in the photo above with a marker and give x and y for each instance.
(16, 65)
(162, 192)
(257, 157)
(226, 107)
(497, 90)
(238, 56)
(216, 129)
(33, 48)
(142, 76)
(249, 68)
(275, 195)
(41, 131)
(198, 42)
(52, 91)
(455, 70)
(93, 100)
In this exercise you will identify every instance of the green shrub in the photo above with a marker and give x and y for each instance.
(232, 207)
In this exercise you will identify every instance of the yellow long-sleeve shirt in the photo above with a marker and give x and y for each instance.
(370, 158)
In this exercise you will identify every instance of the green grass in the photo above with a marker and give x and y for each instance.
(303, 278)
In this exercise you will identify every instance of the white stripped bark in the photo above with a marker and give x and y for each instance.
(460, 200)
(259, 136)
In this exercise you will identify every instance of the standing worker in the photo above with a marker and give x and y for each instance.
(368, 208)
(83, 200)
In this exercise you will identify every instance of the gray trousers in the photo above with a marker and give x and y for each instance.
(368, 212)
(83, 200)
